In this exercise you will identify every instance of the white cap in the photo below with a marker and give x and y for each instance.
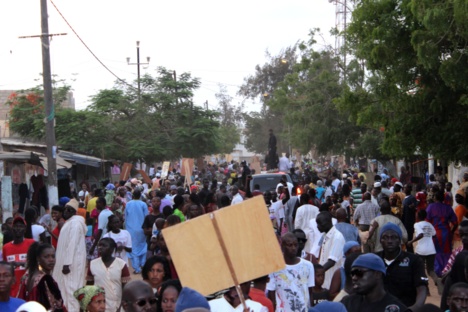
(31, 306)
(377, 184)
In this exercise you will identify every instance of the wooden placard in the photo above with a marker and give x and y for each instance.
(165, 169)
(255, 164)
(248, 236)
(125, 173)
(187, 169)
(145, 177)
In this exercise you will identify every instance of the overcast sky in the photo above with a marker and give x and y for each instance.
(217, 41)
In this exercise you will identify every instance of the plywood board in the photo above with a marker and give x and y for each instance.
(255, 164)
(125, 173)
(249, 238)
(165, 169)
(145, 177)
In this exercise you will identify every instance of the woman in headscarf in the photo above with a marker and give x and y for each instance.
(91, 299)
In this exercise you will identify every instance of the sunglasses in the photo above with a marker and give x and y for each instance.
(142, 302)
(358, 272)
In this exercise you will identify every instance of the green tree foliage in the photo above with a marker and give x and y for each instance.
(307, 95)
(261, 87)
(164, 124)
(415, 52)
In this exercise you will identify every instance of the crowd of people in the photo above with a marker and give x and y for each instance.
(349, 244)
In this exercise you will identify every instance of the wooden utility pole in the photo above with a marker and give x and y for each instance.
(49, 109)
(138, 66)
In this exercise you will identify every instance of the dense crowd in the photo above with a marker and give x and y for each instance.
(350, 243)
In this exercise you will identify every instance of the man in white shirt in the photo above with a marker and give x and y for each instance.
(304, 214)
(236, 197)
(336, 182)
(284, 164)
(231, 301)
(290, 289)
(331, 250)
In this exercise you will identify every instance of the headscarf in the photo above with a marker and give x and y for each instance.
(86, 294)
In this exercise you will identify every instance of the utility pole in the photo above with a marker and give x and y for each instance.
(138, 66)
(49, 109)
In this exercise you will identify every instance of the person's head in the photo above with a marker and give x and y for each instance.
(56, 213)
(408, 189)
(397, 186)
(161, 242)
(136, 194)
(172, 220)
(305, 198)
(439, 196)
(30, 216)
(367, 196)
(91, 298)
(156, 270)
(341, 215)
(168, 295)
(100, 203)
(449, 186)
(319, 274)
(367, 273)
(191, 301)
(19, 228)
(106, 247)
(113, 224)
(225, 201)
(363, 188)
(351, 247)
(206, 183)
(457, 299)
(7, 277)
(301, 240)
(289, 245)
(385, 207)
(70, 209)
(160, 223)
(138, 296)
(234, 190)
(390, 237)
(195, 211)
(178, 201)
(463, 232)
(40, 254)
(324, 221)
(459, 199)
(422, 215)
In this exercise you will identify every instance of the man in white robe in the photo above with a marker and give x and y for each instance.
(69, 270)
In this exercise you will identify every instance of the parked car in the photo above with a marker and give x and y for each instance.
(268, 181)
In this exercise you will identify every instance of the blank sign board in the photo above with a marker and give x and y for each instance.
(250, 241)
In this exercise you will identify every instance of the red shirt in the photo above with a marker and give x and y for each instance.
(17, 253)
(422, 197)
(260, 297)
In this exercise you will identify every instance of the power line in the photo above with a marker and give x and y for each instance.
(86, 46)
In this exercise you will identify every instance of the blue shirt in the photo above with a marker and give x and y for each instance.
(11, 305)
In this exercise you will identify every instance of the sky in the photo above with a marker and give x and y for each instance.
(218, 41)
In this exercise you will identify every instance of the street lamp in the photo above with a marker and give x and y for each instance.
(138, 65)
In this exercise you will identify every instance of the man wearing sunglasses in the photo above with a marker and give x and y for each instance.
(138, 296)
(406, 277)
(367, 273)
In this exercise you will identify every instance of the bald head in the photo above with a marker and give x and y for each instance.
(135, 291)
(367, 196)
(341, 214)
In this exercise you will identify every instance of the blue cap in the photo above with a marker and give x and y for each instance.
(391, 226)
(328, 306)
(370, 261)
(63, 201)
(189, 298)
(348, 245)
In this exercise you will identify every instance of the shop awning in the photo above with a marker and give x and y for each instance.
(21, 157)
(82, 159)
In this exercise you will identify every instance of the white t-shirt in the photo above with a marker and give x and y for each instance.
(221, 304)
(425, 245)
(277, 209)
(37, 230)
(103, 219)
(82, 194)
(291, 285)
(122, 238)
(236, 199)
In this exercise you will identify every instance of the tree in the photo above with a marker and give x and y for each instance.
(163, 125)
(261, 87)
(230, 119)
(307, 97)
(415, 52)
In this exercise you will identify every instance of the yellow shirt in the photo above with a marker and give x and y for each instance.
(91, 204)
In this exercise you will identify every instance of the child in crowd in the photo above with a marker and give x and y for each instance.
(425, 248)
(320, 294)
